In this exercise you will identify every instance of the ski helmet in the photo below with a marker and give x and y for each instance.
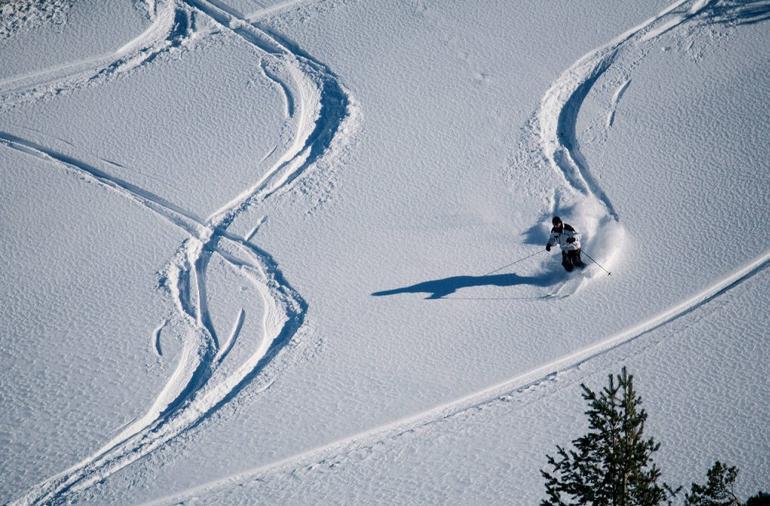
(556, 221)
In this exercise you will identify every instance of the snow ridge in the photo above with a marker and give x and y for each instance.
(198, 387)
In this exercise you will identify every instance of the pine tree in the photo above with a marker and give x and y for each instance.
(612, 464)
(718, 490)
(761, 499)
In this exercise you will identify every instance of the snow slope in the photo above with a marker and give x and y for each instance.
(264, 195)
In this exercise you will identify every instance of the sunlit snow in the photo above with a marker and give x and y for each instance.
(293, 252)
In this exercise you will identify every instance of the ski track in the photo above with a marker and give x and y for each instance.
(256, 228)
(170, 29)
(156, 335)
(556, 119)
(615, 100)
(323, 106)
(559, 108)
(288, 98)
(196, 389)
(236, 331)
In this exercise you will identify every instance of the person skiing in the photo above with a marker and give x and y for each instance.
(569, 241)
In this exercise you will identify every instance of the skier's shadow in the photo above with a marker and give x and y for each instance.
(440, 288)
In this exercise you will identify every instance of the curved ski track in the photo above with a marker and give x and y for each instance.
(556, 119)
(556, 132)
(559, 108)
(170, 29)
(197, 388)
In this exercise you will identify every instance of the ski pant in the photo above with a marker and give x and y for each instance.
(571, 259)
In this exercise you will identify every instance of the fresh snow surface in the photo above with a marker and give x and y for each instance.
(292, 251)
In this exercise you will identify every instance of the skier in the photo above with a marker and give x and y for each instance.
(569, 241)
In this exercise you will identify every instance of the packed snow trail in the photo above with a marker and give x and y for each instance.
(186, 220)
(197, 388)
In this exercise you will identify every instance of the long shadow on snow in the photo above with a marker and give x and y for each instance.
(440, 288)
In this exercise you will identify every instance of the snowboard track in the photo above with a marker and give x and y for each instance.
(197, 388)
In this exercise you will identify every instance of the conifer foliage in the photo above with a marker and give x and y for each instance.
(718, 490)
(612, 464)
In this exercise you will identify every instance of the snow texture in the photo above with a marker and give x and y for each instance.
(293, 251)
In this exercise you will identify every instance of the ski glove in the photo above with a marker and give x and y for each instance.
(548, 247)
(571, 240)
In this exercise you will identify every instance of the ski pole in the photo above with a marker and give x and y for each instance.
(597, 263)
(514, 262)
